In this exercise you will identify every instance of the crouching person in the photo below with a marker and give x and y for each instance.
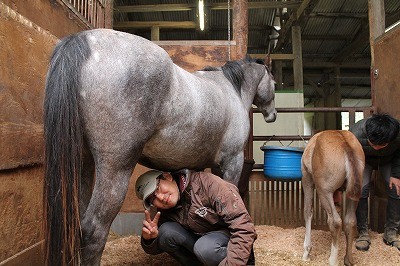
(200, 219)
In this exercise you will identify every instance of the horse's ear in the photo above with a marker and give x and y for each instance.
(268, 62)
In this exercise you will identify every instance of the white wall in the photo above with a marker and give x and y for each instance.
(285, 124)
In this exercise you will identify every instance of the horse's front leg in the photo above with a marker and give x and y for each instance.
(108, 195)
(231, 168)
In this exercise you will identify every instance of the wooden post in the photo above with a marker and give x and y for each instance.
(240, 27)
(278, 74)
(338, 98)
(108, 14)
(155, 33)
(376, 16)
(298, 58)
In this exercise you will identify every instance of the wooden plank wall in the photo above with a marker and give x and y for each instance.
(280, 203)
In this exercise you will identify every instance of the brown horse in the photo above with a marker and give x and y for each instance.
(333, 160)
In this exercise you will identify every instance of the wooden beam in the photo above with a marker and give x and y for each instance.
(274, 56)
(362, 38)
(150, 24)
(318, 89)
(344, 15)
(294, 18)
(326, 37)
(212, 6)
(333, 65)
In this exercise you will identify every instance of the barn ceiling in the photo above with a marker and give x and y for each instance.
(333, 33)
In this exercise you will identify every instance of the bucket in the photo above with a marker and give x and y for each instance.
(282, 162)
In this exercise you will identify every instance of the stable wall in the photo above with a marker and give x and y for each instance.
(28, 32)
(386, 83)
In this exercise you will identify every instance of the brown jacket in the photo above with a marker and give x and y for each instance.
(208, 203)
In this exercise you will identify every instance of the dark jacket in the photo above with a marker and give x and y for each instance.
(208, 203)
(389, 154)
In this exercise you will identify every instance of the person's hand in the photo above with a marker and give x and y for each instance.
(396, 183)
(150, 227)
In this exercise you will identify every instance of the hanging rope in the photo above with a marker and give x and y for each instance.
(229, 30)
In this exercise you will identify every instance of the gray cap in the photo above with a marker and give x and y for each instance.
(145, 185)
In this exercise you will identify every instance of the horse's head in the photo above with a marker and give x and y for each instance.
(265, 94)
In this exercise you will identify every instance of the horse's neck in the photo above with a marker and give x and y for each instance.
(248, 93)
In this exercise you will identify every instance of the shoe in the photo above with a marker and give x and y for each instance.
(363, 242)
(391, 239)
(392, 224)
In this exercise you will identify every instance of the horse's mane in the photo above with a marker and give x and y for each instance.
(233, 70)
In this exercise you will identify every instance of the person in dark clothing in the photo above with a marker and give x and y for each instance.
(200, 220)
(379, 137)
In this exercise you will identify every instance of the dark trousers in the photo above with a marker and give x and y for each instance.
(191, 249)
(392, 220)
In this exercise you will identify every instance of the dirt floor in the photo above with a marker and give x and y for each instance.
(274, 246)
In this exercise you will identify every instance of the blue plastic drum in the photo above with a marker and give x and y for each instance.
(282, 162)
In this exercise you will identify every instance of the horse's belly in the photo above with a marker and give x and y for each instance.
(168, 162)
(174, 155)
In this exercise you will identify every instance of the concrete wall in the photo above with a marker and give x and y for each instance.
(286, 124)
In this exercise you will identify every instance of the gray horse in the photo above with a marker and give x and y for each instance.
(114, 100)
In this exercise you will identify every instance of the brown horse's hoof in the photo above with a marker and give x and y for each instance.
(363, 243)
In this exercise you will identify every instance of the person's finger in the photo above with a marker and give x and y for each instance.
(147, 216)
(156, 217)
(390, 182)
(146, 234)
(147, 224)
(145, 231)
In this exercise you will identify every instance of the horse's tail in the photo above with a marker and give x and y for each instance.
(354, 170)
(63, 153)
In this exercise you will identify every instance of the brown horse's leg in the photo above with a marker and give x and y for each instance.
(334, 223)
(350, 224)
(308, 188)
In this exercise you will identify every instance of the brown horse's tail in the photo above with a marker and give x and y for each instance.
(63, 153)
(354, 170)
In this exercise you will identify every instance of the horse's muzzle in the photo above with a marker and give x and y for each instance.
(271, 117)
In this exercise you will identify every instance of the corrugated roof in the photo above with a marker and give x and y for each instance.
(328, 29)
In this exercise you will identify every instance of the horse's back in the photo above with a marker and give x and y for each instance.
(331, 155)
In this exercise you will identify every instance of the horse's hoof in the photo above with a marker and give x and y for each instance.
(306, 258)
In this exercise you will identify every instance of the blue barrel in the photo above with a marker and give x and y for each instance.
(282, 162)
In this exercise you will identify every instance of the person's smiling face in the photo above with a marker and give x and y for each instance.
(167, 193)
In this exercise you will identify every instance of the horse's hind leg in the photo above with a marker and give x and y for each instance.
(334, 223)
(109, 191)
(350, 224)
(308, 188)
(232, 168)
(87, 181)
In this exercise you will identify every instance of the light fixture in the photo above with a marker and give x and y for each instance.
(277, 24)
(201, 14)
